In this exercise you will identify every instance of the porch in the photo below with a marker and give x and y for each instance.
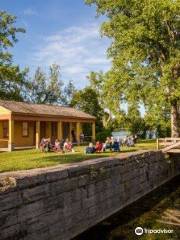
(25, 133)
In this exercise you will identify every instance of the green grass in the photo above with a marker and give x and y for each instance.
(28, 159)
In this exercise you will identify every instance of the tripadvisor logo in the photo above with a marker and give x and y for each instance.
(139, 231)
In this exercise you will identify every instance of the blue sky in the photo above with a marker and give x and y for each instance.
(65, 32)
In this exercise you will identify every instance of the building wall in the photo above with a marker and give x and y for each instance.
(4, 111)
(59, 203)
(3, 144)
(21, 141)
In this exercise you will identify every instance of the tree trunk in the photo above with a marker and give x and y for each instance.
(175, 121)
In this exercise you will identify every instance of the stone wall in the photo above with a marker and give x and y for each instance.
(58, 203)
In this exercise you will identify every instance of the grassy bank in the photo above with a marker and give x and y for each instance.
(28, 159)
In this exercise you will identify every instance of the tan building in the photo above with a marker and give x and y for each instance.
(22, 125)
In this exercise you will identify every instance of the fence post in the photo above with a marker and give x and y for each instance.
(157, 143)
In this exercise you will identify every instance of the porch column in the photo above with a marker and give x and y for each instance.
(11, 135)
(93, 131)
(59, 129)
(70, 130)
(78, 129)
(37, 134)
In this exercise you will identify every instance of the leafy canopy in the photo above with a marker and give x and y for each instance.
(47, 88)
(87, 100)
(12, 81)
(145, 51)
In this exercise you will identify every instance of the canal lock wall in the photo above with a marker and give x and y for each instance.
(58, 203)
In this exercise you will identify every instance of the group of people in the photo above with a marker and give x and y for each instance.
(110, 143)
(129, 141)
(46, 145)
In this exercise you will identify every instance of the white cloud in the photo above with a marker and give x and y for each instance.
(78, 50)
(30, 12)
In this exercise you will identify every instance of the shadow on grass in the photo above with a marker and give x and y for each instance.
(79, 157)
(69, 158)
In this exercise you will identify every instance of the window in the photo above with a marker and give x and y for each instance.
(25, 129)
(5, 129)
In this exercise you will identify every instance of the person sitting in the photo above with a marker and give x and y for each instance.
(68, 146)
(125, 141)
(57, 147)
(47, 145)
(107, 144)
(42, 144)
(99, 146)
(82, 137)
(90, 149)
(112, 140)
(130, 142)
(116, 146)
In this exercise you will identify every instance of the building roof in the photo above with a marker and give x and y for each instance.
(44, 109)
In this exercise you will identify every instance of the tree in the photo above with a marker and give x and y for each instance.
(55, 94)
(39, 89)
(134, 121)
(12, 81)
(97, 80)
(69, 91)
(87, 100)
(47, 89)
(158, 118)
(145, 53)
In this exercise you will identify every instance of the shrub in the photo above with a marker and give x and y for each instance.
(101, 136)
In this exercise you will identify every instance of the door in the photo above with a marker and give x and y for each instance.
(66, 129)
(54, 130)
(42, 130)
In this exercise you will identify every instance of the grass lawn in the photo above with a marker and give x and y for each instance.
(28, 159)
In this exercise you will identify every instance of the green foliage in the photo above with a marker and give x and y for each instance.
(145, 52)
(159, 117)
(13, 82)
(87, 101)
(8, 33)
(54, 88)
(134, 122)
(69, 91)
(102, 135)
(47, 89)
(97, 80)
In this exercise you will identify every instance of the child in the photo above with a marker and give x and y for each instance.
(57, 147)
(68, 146)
